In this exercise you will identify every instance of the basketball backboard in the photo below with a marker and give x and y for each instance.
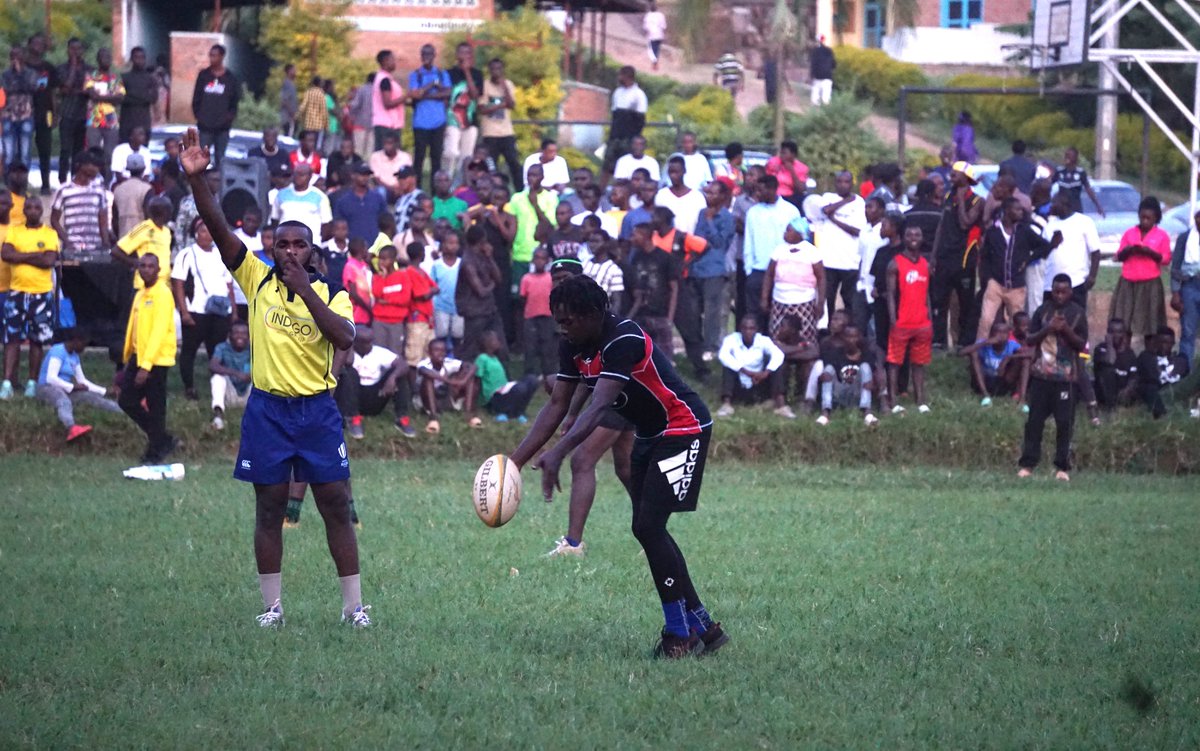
(1060, 33)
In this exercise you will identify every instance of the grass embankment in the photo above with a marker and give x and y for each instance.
(959, 434)
(900, 609)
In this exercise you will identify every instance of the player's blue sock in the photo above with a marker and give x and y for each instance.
(572, 541)
(675, 615)
(699, 619)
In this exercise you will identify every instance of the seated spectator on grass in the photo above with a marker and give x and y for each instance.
(446, 383)
(996, 370)
(751, 370)
(1159, 368)
(847, 378)
(540, 331)
(62, 384)
(1115, 367)
(504, 398)
(392, 294)
(799, 357)
(230, 368)
(373, 377)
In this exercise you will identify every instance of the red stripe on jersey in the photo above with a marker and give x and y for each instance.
(680, 418)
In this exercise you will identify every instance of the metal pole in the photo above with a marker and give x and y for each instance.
(1106, 112)
(592, 52)
(603, 39)
(1195, 141)
(902, 116)
(1145, 154)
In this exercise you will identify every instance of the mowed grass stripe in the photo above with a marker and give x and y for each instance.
(888, 608)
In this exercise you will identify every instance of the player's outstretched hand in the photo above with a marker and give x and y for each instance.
(549, 464)
(193, 157)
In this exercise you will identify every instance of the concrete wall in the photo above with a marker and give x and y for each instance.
(980, 45)
(404, 25)
(1001, 12)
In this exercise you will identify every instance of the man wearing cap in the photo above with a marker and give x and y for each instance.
(129, 196)
(410, 197)
(955, 254)
(386, 163)
(360, 206)
(822, 63)
(122, 151)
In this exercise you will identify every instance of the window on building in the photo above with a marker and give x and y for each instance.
(961, 14)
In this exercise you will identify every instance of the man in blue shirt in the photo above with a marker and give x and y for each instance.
(706, 276)
(765, 223)
(428, 90)
(360, 206)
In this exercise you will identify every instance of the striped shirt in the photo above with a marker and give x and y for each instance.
(80, 206)
(607, 274)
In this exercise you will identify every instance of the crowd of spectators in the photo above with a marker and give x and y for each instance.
(840, 297)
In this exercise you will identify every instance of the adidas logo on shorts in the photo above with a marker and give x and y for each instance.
(678, 469)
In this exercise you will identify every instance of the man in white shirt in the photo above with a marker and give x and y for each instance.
(765, 223)
(697, 172)
(556, 175)
(446, 383)
(750, 369)
(870, 240)
(122, 151)
(589, 197)
(654, 23)
(300, 202)
(845, 218)
(629, 106)
(373, 377)
(636, 158)
(685, 202)
(1079, 254)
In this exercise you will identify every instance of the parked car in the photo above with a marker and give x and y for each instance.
(1120, 201)
(1177, 220)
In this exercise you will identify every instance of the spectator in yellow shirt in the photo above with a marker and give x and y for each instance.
(149, 355)
(31, 252)
(150, 236)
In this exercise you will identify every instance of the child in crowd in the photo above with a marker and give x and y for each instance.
(248, 233)
(264, 253)
(1115, 367)
(504, 398)
(847, 378)
(1020, 327)
(230, 368)
(541, 332)
(62, 384)
(392, 295)
(1159, 367)
(336, 250)
(447, 323)
(419, 329)
(356, 279)
(995, 367)
(446, 383)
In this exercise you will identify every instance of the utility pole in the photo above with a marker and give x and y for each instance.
(1106, 111)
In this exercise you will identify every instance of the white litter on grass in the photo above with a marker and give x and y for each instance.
(155, 472)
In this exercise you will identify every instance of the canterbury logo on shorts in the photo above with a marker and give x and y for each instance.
(678, 469)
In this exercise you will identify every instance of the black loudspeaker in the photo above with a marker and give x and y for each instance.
(244, 183)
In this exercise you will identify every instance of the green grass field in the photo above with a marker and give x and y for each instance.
(868, 608)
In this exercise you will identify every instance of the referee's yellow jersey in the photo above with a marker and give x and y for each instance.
(289, 356)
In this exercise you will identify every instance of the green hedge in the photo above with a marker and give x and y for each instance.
(873, 75)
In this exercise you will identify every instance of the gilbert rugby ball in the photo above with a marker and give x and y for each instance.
(497, 490)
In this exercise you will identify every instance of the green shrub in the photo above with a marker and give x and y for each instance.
(1167, 165)
(1041, 131)
(995, 116)
(873, 75)
(256, 113)
(577, 158)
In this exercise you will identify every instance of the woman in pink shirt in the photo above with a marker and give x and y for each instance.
(1145, 249)
(791, 173)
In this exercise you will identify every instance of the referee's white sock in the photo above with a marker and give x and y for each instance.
(351, 593)
(271, 587)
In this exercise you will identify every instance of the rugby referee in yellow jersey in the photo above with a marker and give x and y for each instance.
(292, 426)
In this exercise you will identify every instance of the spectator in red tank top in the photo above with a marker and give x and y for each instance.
(908, 307)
